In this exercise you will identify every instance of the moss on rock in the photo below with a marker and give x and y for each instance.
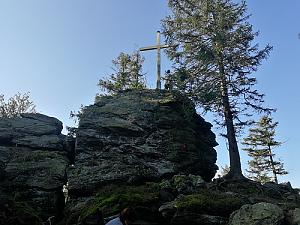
(112, 199)
(211, 203)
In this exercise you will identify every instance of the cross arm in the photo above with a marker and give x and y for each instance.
(153, 47)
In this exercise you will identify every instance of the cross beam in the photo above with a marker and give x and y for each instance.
(158, 46)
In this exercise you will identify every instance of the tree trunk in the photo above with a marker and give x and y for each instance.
(234, 155)
(272, 164)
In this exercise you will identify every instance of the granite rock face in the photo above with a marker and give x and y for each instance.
(33, 162)
(141, 136)
(145, 149)
(260, 213)
(32, 130)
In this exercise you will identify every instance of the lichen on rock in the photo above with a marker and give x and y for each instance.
(260, 213)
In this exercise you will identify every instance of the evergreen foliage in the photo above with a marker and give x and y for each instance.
(127, 74)
(213, 58)
(14, 106)
(75, 115)
(259, 146)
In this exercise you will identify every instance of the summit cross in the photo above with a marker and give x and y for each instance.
(158, 46)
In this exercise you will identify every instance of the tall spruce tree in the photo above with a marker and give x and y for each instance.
(259, 146)
(213, 58)
(127, 74)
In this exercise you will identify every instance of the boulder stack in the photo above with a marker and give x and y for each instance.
(139, 136)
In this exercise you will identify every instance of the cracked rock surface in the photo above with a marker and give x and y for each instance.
(138, 136)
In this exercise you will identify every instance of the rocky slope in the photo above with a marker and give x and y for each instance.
(188, 199)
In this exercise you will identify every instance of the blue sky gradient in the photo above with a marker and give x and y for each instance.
(59, 49)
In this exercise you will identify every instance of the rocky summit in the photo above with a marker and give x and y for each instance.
(139, 136)
(147, 149)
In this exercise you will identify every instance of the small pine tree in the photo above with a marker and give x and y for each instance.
(127, 74)
(258, 170)
(260, 143)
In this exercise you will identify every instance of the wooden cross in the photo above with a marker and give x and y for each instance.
(158, 46)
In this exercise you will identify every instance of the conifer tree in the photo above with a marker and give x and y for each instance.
(258, 169)
(260, 143)
(127, 74)
(213, 54)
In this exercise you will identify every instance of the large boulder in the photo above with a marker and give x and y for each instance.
(33, 164)
(260, 213)
(32, 130)
(138, 136)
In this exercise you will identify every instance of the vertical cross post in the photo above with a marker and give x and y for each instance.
(158, 83)
(158, 46)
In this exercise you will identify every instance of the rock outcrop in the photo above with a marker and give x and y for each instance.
(139, 136)
(32, 165)
(145, 149)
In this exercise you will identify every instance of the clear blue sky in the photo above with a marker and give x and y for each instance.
(59, 49)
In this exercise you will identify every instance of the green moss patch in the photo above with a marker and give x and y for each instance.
(211, 203)
(112, 199)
